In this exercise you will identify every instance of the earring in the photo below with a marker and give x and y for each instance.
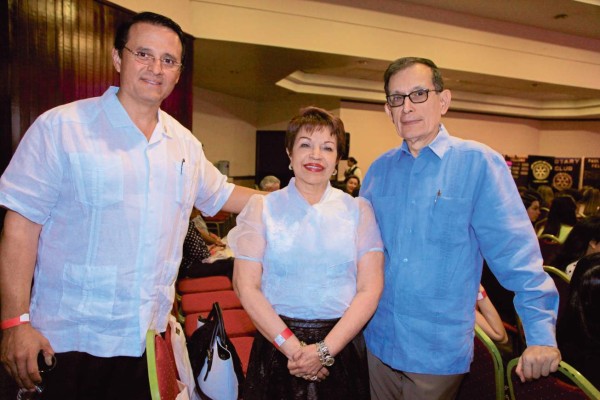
(334, 172)
(290, 167)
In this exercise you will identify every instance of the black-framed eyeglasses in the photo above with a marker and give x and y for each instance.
(148, 59)
(416, 97)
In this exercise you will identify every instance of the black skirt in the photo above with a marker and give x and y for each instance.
(268, 377)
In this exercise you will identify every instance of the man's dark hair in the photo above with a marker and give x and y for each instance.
(405, 62)
(122, 35)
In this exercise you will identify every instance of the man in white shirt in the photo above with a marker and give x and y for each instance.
(98, 195)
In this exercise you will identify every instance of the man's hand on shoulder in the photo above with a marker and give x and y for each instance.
(537, 361)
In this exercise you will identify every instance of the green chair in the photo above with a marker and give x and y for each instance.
(485, 379)
(550, 387)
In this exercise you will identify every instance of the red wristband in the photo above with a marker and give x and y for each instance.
(20, 320)
(282, 337)
(481, 295)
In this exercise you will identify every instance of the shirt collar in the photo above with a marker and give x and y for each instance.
(438, 146)
(120, 118)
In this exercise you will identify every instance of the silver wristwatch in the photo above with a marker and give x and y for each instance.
(326, 359)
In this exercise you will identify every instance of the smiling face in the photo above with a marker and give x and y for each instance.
(417, 124)
(313, 158)
(351, 184)
(147, 85)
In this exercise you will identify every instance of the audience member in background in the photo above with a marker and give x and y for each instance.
(352, 185)
(269, 183)
(98, 225)
(308, 269)
(195, 255)
(547, 194)
(488, 319)
(353, 169)
(532, 201)
(583, 240)
(443, 204)
(561, 218)
(589, 204)
(207, 236)
(578, 330)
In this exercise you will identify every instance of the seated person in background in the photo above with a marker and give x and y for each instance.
(196, 254)
(352, 185)
(269, 183)
(488, 319)
(208, 237)
(532, 202)
(547, 194)
(589, 204)
(583, 240)
(561, 218)
(578, 330)
(353, 169)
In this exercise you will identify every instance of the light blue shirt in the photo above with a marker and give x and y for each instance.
(309, 253)
(114, 209)
(439, 214)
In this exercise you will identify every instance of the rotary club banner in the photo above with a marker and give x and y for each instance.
(540, 170)
(591, 172)
(565, 174)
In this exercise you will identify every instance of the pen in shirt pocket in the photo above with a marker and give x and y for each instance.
(182, 162)
(437, 196)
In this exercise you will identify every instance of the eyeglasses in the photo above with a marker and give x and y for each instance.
(416, 97)
(43, 368)
(148, 59)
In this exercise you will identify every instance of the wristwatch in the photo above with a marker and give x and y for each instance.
(326, 359)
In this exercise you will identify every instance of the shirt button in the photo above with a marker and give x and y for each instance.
(412, 202)
(405, 260)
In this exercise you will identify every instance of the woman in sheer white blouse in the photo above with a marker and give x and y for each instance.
(309, 272)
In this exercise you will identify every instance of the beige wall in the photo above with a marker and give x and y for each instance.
(227, 126)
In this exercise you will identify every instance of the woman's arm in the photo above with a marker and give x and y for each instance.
(246, 283)
(488, 318)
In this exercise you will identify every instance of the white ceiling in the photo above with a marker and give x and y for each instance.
(252, 71)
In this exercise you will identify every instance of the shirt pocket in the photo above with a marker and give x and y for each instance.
(98, 179)
(89, 292)
(450, 220)
(185, 182)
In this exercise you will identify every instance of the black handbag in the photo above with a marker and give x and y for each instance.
(211, 355)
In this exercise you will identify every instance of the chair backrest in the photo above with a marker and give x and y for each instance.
(551, 387)
(485, 380)
(549, 246)
(561, 280)
(162, 371)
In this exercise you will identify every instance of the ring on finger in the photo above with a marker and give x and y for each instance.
(314, 378)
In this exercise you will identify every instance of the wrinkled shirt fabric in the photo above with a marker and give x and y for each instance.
(309, 253)
(114, 211)
(440, 215)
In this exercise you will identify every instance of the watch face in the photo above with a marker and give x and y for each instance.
(329, 361)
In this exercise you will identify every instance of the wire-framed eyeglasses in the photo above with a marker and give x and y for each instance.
(148, 59)
(416, 97)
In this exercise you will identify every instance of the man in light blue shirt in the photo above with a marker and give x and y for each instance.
(443, 205)
(99, 194)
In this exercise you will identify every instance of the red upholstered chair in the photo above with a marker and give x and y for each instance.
(243, 345)
(220, 223)
(202, 302)
(162, 371)
(237, 323)
(551, 387)
(485, 380)
(205, 284)
(549, 246)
